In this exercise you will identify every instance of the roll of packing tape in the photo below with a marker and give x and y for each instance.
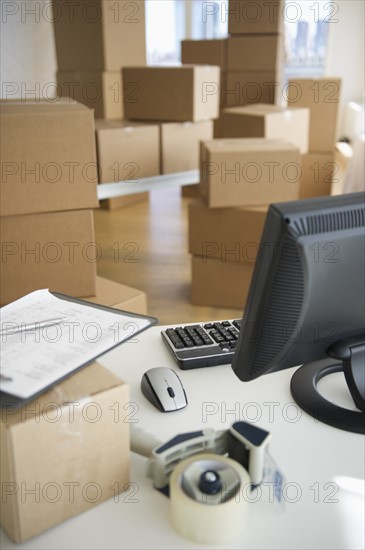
(207, 498)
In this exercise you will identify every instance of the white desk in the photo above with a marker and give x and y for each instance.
(310, 454)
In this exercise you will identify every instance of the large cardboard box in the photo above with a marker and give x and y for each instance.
(126, 151)
(255, 53)
(64, 452)
(55, 250)
(113, 294)
(220, 283)
(247, 172)
(180, 144)
(243, 88)
(321, 96)
(101, 91)
(185, 93)
(230, 234)
(267, 121)
(319, 173)
(48, 159)
(260, 16)
(205, 52)
(99, 35)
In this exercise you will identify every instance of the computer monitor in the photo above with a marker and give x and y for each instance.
(306, 303)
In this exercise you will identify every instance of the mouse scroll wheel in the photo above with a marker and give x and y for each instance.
(170, 392)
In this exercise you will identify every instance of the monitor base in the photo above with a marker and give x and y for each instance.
(303, 388)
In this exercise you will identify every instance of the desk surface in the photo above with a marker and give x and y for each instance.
(320, 512)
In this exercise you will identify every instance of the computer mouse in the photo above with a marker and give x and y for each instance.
(163, 388)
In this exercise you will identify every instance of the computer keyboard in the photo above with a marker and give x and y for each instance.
(202, 344)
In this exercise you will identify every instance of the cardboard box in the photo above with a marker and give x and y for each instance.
(99, 35)
(243, 88)
(220, 283)
(48, 159)
(321, 96)
(54, 250)
(180, 144)
(100, 91)
(205, 52)
(64, 452)
(247, 172)
(260, 16)
(126, 151)
(263, 53)
(318, 175)
(113, 294)
(267, 121)
(190, 191)
(186, 93)
(227, 234)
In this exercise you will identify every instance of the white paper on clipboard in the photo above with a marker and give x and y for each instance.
(35, 359)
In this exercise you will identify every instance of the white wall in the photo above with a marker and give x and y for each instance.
(28, 60)
(346, 54)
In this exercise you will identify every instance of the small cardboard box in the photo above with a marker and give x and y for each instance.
(64, 452)
(258, 17)
(127, 298)
(97, 35)
(318, 175)
(220, 283)
(321, 96)
(243, 88)
(100, 91)
(228, 234)
(186, 93)
(255, 53)
(205, 52)
(55, 250)
(126, 151)
(248, 172)
(268, 121)
(180, 144)
(48, 160)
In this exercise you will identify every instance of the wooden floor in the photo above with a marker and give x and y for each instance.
(144, 245)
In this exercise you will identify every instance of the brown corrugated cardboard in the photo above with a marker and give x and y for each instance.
(260, 16)
(321, 96)
(100, 91)
(126, 151)
(268, 121)
(180, 144)
(255, 53)
(99, 35)
(227, 234)
(54, 250)
(246, 172)
(127, 298)
(64, 452)
(205, 52)
(243, 88)
(185, 93)
(318, 175)
(48, 160)
(220, 283)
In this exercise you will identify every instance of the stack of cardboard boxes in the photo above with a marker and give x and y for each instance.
(93, 43)
(179, 102)
(48, 191)
(239, 179)
(321, 96)
(251, 58)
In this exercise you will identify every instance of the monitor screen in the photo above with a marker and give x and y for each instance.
(307, 292)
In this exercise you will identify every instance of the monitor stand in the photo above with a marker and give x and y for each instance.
(350, 355)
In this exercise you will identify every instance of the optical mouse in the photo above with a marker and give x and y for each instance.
(163, 388)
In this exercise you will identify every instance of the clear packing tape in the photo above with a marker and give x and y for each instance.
(206, 474)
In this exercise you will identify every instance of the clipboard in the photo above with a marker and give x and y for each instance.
(13, 401)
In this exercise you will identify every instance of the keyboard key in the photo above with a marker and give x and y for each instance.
(208, 326)
(226, 323)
